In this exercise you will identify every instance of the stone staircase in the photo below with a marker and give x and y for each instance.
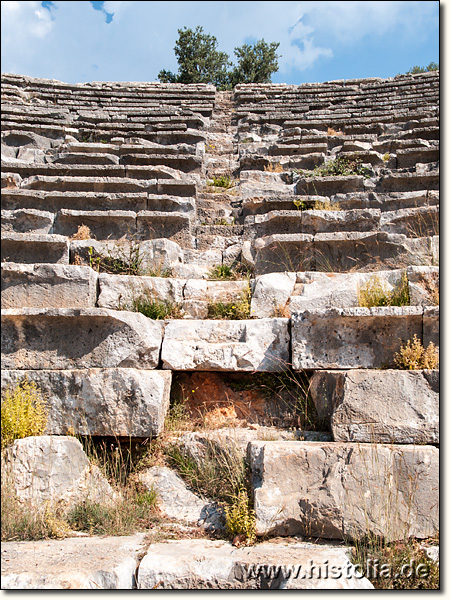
(115, 190)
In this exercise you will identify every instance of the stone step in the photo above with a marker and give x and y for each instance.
(409, 414)
(246, 345)
(42, 200)
(90, 563)
(114, 402)
(345, 490)
(114, 224)
(79, 339)
(361, 338)
(48, 286)
(207, 564)
(117, 563)
(312, 221)
(109, 184)
(27, 221)
(192, 295)
(342, 251)
(32, 248)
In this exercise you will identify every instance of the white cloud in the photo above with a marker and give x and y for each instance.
(24, 19)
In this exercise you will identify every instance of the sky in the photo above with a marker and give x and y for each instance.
(78, 42)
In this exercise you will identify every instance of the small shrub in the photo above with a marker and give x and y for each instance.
(23, 412)
(386, 156)
(341, 166)
(122, 260)
(155, 309)
(223, 181)
(373, 293)
(240, 517)
(413, 356)
(222, 272)
(83, 233)
(237, 310)
(223, 221)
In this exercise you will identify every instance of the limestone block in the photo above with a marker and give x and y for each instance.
(103, 224)
(260, 345)
(27, 221)
(423, 283)
(48, 286)
(118, 291)
(271, 291)
(314, 290)
(35, 248)
(321, 221)
(345, 491)
(431, 326)
(157, 255)
(54, 468)
(391, 406)
(109, 402)
(78, 338)
(215, 564)
(283, 252)
(353, 338)
(177, 502)
(89, 563)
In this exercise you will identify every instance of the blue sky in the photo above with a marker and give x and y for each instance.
(132, 41)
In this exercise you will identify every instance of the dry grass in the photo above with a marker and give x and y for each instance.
(83, 233)
(413, 356)
(332, 131)
(274, 168)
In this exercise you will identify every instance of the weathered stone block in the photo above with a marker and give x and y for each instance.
(272, 291)
(110, 402)
(48, 286)
(392, 406)
(354, 338)
(54, 468)
(431, 326)
(92, 563)
(207, 564)
(260, 345)
(79, 338)
(35, 248)
(345, 491)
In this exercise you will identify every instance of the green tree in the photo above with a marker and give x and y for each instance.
(200, 61)
(416, 69)
(255, 63)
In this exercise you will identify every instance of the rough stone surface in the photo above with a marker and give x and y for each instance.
(54, 468)
(356, 338)
(206, 564)
(106, 563)
(176, 501)
(48, 286)
(261, 345)
(271, 292)
(79, 338)
(110, 402)
(345, 491)
(379, 406)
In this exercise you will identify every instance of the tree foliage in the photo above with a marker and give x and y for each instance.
(255, 63)
(200, 61)
(416, 69)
